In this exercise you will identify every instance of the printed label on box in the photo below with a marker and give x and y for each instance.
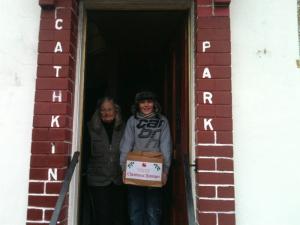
(143, 170)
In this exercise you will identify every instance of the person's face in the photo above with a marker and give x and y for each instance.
(146, 106)
(107, 112)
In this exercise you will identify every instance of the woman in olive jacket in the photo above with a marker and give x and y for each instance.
(104, 176)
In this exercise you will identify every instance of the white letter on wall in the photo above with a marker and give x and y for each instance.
(58, 24)
(58, 47)
(205, 45)
(206, 73)
(57, 70)
(207, 124)
(52, 174)
(57, 96)
(54, 121)
(207, 96)
(53, 148)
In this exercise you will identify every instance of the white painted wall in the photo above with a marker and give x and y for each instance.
(19, 22)
(266, 111)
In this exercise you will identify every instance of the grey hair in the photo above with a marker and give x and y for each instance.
(118, 119)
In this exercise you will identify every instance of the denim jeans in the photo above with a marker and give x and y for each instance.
(145, 205)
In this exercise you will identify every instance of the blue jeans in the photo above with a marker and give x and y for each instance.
(145, 205)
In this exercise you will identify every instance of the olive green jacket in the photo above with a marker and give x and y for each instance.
(103, 166)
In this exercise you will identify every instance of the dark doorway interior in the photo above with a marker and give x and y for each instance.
(131, 51)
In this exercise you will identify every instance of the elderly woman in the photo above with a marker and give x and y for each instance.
(104, 176)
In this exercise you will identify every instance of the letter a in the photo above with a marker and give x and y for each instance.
(58, 47)
(206, 73)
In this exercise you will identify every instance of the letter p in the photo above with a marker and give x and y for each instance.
(205, 45)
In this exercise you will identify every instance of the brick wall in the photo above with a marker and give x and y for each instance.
(52, 122)
(214, 148)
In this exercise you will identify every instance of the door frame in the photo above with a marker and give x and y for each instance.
(137, 4)
(74, 191)
(73, 213)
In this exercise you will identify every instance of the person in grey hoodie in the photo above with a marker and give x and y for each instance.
(104, 175)
(146, 130)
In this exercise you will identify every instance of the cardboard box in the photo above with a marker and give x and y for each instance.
(144, 169)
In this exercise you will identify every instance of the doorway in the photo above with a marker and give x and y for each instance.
(132, 51)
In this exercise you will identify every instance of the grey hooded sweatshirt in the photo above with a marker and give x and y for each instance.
(147, 134)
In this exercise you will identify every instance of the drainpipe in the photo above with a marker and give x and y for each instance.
(298, 12)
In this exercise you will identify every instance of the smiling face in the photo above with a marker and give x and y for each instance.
(146, 106)
(107, 112)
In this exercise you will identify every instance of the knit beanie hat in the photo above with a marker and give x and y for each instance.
(145, 95)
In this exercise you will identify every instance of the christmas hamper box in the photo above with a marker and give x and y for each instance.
(144, 169)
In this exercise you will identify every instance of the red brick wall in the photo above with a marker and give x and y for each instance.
(214, 149)
(52, 122)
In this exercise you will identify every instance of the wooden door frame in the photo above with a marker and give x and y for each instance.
(179, 84)
(74, 193)
(137, 4)
(80, 75)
